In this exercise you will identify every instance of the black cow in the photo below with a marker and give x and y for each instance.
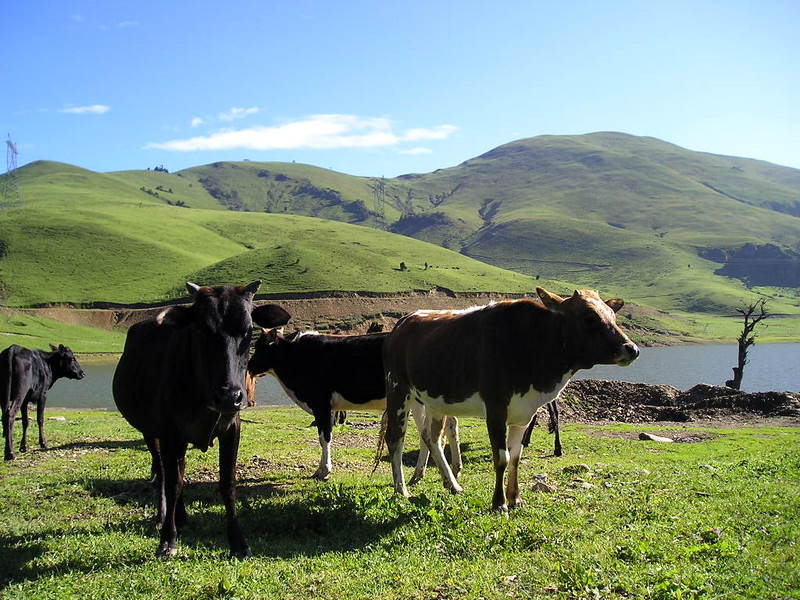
(325, 374)
(501, 361)
(180, 381)
(26, 376)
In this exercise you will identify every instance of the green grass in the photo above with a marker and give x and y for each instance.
(31, 331)
(704, 520)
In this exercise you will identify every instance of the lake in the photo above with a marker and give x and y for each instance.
(771, 367)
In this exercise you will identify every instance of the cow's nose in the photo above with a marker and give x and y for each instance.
(230, 399)
(632, 350)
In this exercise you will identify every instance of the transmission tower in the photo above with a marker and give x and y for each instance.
(11, 193)
(378, 187)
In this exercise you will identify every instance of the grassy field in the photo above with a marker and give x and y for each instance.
(713, 519)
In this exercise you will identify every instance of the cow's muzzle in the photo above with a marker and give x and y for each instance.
(229, 400)
(629, 353)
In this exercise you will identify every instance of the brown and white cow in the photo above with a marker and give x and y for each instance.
(501, 362)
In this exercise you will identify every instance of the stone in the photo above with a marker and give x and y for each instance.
(649, 437)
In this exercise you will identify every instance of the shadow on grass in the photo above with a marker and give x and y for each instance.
(102, 445)
(277, 521)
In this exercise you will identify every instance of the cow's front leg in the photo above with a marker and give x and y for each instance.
(324, 416)
(157, 479)
(171, 453)
(23, 444)
(40, 421)
(397, 420)
(515, 435)
(496, 426)
(433, 437)
(228, 453)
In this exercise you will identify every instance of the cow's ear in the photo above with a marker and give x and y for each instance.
(270, 315)
(53, 348)
(550, 300)
(615, 303)
(271, 335)
(177, 316)
(251, 288)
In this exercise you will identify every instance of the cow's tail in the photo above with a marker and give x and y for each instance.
(381, 440)
(250, 388)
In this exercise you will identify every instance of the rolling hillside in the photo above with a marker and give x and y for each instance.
(680, 232)
(83, 237)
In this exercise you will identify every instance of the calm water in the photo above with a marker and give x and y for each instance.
(771, 367)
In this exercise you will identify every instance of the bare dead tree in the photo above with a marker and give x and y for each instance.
(752, 315)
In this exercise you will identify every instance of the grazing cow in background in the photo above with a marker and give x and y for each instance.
(26, 376)
(180, 381)
(501, 362)
(325, 374)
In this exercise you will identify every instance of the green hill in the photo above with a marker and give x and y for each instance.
(83, 237)
(686, 233)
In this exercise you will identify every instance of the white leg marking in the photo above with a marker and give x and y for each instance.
(325, 465)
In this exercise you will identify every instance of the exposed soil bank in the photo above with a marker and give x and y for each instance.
(346, 312)
(601, 400)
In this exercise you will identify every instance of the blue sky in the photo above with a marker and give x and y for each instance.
(384, 88)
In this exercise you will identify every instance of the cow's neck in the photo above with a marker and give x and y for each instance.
(51, 373)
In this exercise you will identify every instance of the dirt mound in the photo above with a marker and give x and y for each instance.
(601, 400)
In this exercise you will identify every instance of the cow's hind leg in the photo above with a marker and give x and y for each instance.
(397, 420)
(451, 431)
(157, 479)
(228, 452)
(8, 431)
(324, 417)
(433, 436)
(419, 414)
(553, 426)
(23, 444)
(496, 426)
(40, 404)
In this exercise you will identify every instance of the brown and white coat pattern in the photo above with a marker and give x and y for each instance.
(501, 362)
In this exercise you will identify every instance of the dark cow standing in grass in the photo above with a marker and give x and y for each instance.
(325, 374)
(501, 362)
(26, 376)
(180, 381)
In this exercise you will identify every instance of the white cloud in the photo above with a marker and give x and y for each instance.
(235, 113)
(197, 121)
(94, 109)
(418, 150)
(314, 132)
(435, 133)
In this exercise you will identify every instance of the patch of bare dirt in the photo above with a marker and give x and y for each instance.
(597, 400)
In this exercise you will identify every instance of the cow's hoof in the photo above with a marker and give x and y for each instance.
(321, 476)
(415, 479)
(167, 550)
(23, 448)
(557, 452)
(456, 489)
(45, 447)
(517, 503)
(241, 553)
(11, 456)
(501, 510)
